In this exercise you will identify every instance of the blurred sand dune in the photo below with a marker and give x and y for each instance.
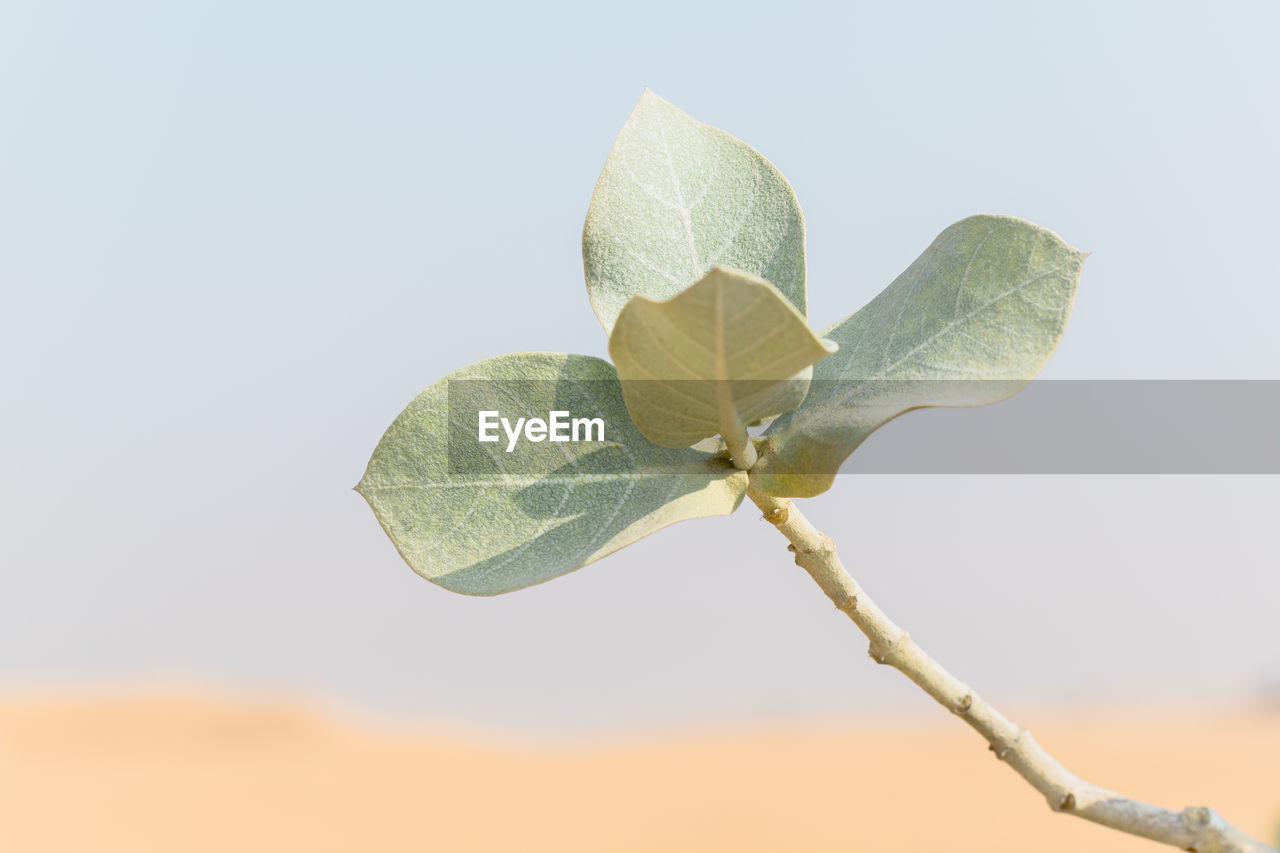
(177, 773)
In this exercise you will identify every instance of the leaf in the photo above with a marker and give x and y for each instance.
(476, 519)
(725, 352)
(970, 322)
(676, 198)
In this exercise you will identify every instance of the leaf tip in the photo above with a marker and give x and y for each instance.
(648, 95)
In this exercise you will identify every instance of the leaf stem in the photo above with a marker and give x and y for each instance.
(741, 451)
(1197, 828)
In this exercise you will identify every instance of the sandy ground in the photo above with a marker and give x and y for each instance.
(180, 773)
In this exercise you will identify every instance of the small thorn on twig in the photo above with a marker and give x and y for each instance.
(1068, 803)
(791, 548)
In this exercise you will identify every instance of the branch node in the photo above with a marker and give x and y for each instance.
(1068, 803)
(1196, 817)
(965, 703)
(880, 654)
(849, 604)
(777, 515)
(823, 550)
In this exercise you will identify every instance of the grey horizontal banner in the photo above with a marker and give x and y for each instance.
(1047, 427)
(1090, 427)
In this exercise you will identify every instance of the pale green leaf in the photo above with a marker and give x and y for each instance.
(476, 519)
(970, 322)
(676, 198)
(725, 352)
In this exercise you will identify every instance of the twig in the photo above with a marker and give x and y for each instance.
(1196, 828)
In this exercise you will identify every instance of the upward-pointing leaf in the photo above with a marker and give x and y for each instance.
(970, 322)
(477, 519)
(676, 198)
(728, 351)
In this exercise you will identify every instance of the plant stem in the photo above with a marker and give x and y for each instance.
(1197, 829)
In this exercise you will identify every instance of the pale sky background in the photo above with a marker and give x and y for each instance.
(237, 238)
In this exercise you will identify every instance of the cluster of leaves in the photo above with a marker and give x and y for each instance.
(694, 255)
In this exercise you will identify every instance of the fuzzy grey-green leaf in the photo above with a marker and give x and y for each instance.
(678, 197)
(477, 519)
(970, 322)
(725, 352)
